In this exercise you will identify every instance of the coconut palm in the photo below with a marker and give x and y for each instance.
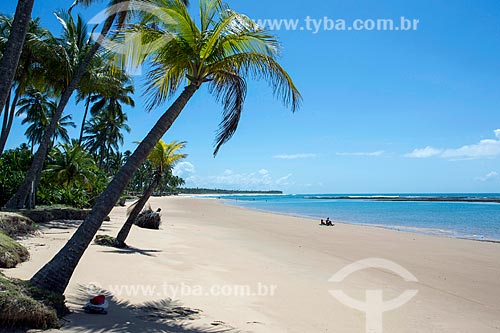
(139, 183)
(37, 50)
(163, 158)
(119, 14)
(100, 81)
(225, 50)
(20, 198)
(14, 47)
(70, 164)
(104, 132)
(38, 109)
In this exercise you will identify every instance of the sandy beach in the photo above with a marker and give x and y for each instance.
(250, 271)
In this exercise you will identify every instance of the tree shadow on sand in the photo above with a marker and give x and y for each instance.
(131, 250)
(152, 317)
(47, 227)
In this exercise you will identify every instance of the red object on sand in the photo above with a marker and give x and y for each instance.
(98, 300)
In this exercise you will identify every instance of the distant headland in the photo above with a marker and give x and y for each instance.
(221, 191)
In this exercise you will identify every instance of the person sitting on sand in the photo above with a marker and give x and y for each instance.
(329, 223)
(322, 222)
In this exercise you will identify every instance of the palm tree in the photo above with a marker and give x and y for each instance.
(163, 158)
(223, 52)
(20, 198)
(104, 131)
(142, 175)
(108, 118)
(38, 49)
(39, 110)
(36, 106)
(70, 164)
(100, 81)
(14, 47)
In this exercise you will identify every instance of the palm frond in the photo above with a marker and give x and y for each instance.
(263, 67)
(230, 89)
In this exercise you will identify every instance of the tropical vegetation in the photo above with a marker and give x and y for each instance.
(222, 51)
(161, 159)
(218, 48)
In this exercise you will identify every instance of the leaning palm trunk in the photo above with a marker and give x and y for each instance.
(55, 275)
(8, 118)
(138, 206)
(14, 47)
(30, 183)
(87, 104)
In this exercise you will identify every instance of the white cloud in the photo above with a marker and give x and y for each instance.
(488, 176)
(374, 153)
(284, 180)
(183, 169)
(294, 156)
(263, 172)
(229, 179)
(424, 152)
(482, 149)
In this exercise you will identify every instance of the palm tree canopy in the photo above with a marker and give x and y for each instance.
(164, 155)
(70, 164)
(39, 109)
(72, 48)
(223, 50)
(37, 52)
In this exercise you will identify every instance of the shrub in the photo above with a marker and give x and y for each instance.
(11, 252)
(105, 240)
(14, 164)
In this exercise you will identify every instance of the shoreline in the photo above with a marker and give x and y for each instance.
(415, 230)
(206, 244)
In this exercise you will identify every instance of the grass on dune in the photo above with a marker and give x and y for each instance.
(24, 306)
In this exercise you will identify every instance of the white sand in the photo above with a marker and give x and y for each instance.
(204, 246)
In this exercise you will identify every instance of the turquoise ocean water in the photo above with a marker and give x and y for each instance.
(475, 220)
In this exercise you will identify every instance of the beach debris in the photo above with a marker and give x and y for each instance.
(149, 219)
(98, 305)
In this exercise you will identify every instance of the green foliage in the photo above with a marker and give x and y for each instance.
(104, 130)
(74, 195)
(14, 164)
(11, 252)
(71, 177)
(69, 164)
(223, 49)
(221, 191)
(105, 240)
(160, 161)
(39, 109)
(24, 306)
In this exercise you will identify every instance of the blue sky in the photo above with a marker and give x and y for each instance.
(383, 111)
